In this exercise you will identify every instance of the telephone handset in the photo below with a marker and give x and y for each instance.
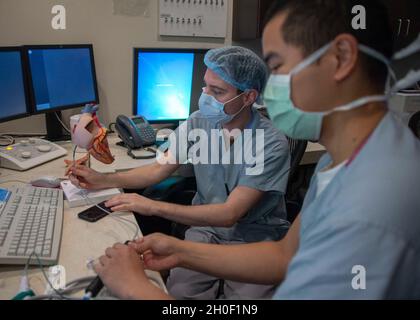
(136, 132)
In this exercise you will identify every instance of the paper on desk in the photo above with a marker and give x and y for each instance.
(78, 197)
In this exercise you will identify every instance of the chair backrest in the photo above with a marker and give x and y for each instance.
(297, 151)
(293, 205)
(415, 124)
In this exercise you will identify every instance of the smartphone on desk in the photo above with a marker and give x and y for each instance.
(94, 214)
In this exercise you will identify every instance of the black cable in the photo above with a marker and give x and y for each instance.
(62, 123)
(24, 135)
(9, 140)
(96, 285)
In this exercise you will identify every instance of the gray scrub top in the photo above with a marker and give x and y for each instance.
(360, 238)
(268, 219)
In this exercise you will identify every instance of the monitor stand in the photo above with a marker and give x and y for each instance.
(54, 128)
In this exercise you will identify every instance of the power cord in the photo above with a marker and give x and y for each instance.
(113, 215)
(23, 135)
(71, 288)
(6, 140)
(74, 286)
(62, 123)
(25, 279)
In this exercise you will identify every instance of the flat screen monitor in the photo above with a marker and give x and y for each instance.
(167, 83)
(14, 101)
(61, 77)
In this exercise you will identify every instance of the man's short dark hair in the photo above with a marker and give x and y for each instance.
(310, 24)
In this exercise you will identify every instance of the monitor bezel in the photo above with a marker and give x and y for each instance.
(135, 76)
(25, 84)
(33, 106)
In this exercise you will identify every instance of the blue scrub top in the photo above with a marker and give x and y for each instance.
(268, 219)
(366, 222)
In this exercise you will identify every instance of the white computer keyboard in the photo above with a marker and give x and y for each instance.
(31, 222)
(30, 153)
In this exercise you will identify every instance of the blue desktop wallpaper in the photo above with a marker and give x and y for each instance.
(12, 93)
(61, 77)
(164, 85)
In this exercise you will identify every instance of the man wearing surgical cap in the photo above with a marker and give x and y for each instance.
(238, 66)
(236, 202)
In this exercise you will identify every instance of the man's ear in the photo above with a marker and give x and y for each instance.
(250, 97)
(346, 52)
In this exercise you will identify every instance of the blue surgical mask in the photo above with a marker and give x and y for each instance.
(214, 111)
(290, 119)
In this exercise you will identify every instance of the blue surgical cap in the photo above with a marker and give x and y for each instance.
(239, 67)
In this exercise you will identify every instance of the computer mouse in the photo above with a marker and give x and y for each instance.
(46, 182)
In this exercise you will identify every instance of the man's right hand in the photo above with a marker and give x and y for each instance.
(86, 178)
(160, 252)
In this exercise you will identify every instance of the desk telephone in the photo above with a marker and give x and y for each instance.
(135, 132)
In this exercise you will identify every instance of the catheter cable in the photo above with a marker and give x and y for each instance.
(62, 123)
(111, 214)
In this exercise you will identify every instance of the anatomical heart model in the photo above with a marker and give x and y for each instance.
(89, 134)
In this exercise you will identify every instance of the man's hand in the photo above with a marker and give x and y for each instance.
(122, 272)
(159, 252)
(132, 202)
(86, 178)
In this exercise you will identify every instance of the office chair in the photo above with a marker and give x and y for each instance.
(414, 124)
(297, 151)
(293, 203)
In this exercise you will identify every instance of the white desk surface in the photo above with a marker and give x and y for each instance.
(80, 240)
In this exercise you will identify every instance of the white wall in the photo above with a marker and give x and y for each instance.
(113, 37)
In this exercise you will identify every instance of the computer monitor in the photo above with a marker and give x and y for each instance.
(167, 83)
(14, 101)
(61, 77)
